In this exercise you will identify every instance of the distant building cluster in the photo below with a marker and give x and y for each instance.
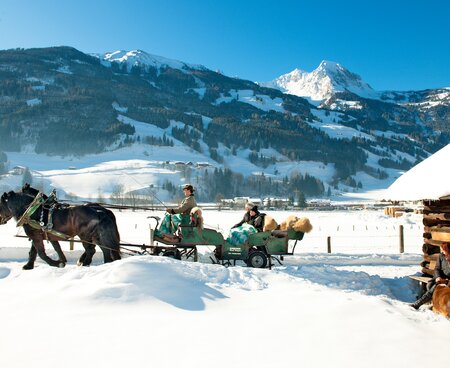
(197, 165)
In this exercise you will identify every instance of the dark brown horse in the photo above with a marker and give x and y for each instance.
(89, 224)
(28, 189)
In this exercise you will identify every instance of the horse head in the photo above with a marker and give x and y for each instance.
(28, 189)
(5, 212)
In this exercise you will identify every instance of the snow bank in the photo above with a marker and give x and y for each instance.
(157, 311)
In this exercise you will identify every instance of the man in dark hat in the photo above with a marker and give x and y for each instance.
(256, 218)
(188, 202)
(246, 218)
(252, 217)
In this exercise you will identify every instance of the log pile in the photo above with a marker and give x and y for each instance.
(391, 211)
(396, 211)
(436, 221)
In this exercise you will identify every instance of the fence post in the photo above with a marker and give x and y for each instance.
(402, 239)
(329, 244)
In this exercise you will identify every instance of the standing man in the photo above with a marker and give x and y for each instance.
(188, 202)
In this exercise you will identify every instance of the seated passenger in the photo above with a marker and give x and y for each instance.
(441, 276)
(256, 218)
(246, 217)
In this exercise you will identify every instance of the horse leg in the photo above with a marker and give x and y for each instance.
(110, 238)
(86, 257)
(32, 254)
(82, 258)
(106, 255)
(59, 251)
(39, 245)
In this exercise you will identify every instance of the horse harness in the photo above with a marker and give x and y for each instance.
(51, 204)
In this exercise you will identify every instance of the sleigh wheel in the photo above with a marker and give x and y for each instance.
(257, 259)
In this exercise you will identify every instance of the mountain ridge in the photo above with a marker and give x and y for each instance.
(60, 101)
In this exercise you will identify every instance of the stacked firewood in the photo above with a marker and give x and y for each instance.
(436, 221)
(393, 211)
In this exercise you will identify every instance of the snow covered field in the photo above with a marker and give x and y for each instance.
(345, 309)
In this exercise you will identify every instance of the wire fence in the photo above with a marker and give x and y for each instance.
(364, 238)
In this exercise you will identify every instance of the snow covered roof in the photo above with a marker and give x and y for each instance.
(429, 179)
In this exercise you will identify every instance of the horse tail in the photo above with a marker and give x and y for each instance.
(109, 236)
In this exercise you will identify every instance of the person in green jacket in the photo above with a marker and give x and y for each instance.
(188, 202)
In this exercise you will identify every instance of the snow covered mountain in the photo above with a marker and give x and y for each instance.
(328, 79)
(141, 58)
(184, 122)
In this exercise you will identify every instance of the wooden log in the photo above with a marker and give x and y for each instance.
(438, 216)
(394, 211)
(431, 257)
(427, 235)
(430, 249)
(437, 203)
(440, 227)
(441, 233)
(427, 271)
(436, 243)
(433, 222)
(436, 209)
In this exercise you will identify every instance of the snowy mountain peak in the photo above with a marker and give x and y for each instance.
(328, 78)
(329, 65)
(141, 58)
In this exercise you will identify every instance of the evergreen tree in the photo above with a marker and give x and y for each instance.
(301, 200)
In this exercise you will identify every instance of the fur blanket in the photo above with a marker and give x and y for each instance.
(292, 222)
(197, 217)
(298, 224)
(269, 223)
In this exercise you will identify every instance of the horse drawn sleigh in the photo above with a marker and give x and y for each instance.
(46, 219)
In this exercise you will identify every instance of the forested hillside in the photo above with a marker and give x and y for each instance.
(60, 101)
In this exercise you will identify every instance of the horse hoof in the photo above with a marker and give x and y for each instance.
(79, 264)
(27, 267)
(61, 265)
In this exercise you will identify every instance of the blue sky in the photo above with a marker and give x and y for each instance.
(394, 44)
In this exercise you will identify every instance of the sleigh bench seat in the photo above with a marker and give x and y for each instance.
(421, 279)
